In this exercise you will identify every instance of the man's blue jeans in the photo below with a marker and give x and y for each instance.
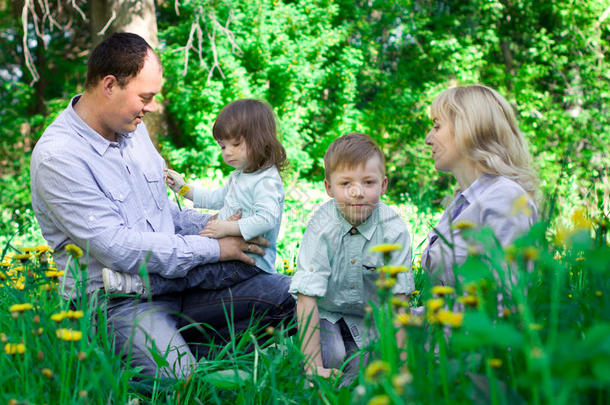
(139, 325)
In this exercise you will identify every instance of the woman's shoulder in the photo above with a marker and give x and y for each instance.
(497, 186)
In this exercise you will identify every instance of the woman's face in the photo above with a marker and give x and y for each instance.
(445, 153)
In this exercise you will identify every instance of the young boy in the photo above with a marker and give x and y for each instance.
(336, 272)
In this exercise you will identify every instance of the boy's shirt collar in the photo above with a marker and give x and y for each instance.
(366, 229)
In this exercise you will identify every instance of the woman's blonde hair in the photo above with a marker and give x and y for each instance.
(486, 133)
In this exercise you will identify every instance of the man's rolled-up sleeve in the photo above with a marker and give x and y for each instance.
(88, 217)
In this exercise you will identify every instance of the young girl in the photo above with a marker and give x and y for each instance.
(246, 133)
(476, 138)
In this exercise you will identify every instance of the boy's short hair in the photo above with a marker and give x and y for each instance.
(351, 150)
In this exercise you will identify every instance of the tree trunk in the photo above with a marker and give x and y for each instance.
(137, 16)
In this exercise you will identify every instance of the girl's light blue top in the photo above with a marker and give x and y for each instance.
(260, 197)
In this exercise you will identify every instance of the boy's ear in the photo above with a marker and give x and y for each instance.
(384, 185)
(329, 191)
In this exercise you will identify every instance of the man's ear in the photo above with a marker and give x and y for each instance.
(329, 191)
(109, 84)
(384, 185)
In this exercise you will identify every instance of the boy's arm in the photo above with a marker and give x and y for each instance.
(309, 328)
(219, 229)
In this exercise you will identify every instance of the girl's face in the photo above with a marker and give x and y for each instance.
(445, 153)
(234, 152)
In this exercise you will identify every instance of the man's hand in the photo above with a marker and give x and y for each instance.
(233, 248)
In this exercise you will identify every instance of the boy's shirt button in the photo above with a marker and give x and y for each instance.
(353, 261)
(353, 231)
(351, 287)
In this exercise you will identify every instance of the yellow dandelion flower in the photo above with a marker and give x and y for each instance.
(531, 253)
(14, 348)
(81, 356)
(74, 251)
(58, 317)
(505, 312)
(510, 252)
(580, 219)
(464, 225)
(289, 271)
(43, 249)
(470, 300)
(54, 274)
(535, 326)
(47, 372)
(494, 363)
(453, 319)
(5, 263)
(37, 332)
(23, 257)
(3, 338)
(400, 380)
(414, 292)
(569, 295)
(393, 270)
(399, 302)
(184, 189)
(20, 307)
(379, 400)
(385, 248)
(409, 320)
(442, 290)
(375, 370)
(598, 293)
(69, 334)
(434, 304)
(28, 249)
(521, 206)
(2, 276)
(562, 235)
(385, 283)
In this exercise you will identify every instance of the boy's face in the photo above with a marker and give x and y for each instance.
(357, 190)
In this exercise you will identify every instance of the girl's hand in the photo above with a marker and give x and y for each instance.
(174, 180)
(217, 229)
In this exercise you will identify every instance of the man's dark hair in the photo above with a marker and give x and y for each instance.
(122, 55)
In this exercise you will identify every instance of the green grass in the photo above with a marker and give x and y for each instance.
(545, 341)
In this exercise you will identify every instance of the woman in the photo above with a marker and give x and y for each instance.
(475, 137)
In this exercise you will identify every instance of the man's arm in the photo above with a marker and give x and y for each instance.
(81, 210)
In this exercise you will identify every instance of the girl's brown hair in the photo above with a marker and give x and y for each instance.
(254, 122)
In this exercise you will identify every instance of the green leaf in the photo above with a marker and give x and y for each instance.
(227, 379)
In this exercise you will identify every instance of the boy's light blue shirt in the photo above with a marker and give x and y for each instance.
(260, 197)
(335, 264)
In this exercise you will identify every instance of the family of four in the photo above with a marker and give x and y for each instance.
(98, 182)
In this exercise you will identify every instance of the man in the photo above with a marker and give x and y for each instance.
(97, 182)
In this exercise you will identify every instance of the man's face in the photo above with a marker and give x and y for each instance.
(130, 103)
(357, 190)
